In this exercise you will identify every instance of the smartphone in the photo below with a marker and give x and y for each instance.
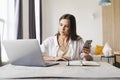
(87, 44)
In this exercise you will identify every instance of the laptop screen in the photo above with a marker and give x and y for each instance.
(24, 52)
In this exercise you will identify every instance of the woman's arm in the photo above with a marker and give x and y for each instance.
(58, 58)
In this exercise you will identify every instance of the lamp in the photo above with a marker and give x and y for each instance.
(104, 2)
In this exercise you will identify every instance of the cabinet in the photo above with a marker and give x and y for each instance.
(111, 25)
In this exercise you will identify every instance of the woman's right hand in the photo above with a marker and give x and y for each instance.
(58, 58)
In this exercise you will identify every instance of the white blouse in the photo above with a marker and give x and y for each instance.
(50, 47)
(65, 54)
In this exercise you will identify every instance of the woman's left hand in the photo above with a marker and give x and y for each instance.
(88, 58)
(86, 50)
(87, 55)
(59, 58)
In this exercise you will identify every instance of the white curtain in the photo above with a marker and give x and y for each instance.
(38, 20)
(11, 23)
(2, 24)
(12, 19)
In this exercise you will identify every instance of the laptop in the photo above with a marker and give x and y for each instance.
(25, 52)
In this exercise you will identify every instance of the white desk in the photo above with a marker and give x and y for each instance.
(103, 72)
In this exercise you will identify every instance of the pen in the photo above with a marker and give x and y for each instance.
(68, 63)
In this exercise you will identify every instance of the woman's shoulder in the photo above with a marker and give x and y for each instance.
(51, 38)
(79, 38)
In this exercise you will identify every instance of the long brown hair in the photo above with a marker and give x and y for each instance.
(72, 31)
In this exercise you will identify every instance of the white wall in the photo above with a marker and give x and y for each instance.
(87, 13)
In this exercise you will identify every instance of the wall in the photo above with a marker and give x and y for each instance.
(87, 13)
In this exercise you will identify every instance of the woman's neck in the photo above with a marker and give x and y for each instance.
(63, 42)
(63, 38)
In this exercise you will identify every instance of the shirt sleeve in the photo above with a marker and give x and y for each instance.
(81, 47)
(44, 46)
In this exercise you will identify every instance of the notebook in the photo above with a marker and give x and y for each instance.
(82, 63)
(25, 52)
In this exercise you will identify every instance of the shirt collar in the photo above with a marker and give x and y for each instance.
(56, 42)
(70, 41)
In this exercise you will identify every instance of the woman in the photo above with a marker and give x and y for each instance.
(66, 44)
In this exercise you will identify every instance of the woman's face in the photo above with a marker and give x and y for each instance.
(64, 26)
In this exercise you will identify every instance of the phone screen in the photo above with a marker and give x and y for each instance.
(87, 44)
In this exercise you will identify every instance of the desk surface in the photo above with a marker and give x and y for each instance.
(103, 72)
